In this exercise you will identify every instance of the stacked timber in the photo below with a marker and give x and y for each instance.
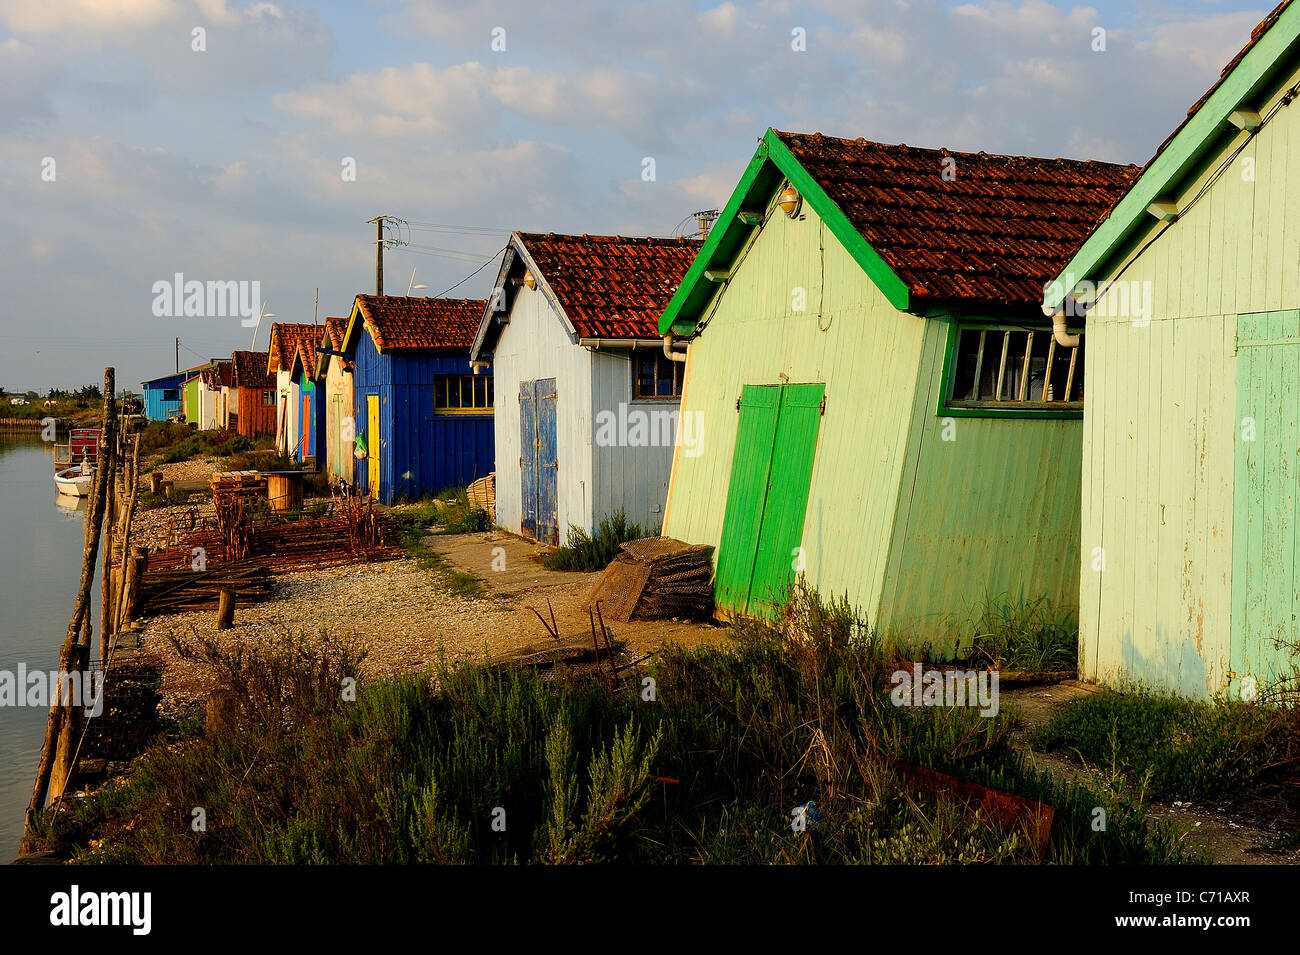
(483, 494)
(228, 485)
(657, 578)
(164, 591)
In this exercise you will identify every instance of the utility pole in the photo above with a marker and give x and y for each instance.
(178, 355)
(379, 248)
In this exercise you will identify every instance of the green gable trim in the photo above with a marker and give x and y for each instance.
(772, 163)
(1206, 134)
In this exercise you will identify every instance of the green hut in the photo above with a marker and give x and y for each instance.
(878, 400)
(1191, 446)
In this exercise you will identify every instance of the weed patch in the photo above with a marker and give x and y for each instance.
(587, 552)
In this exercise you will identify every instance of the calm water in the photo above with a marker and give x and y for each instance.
(40, 564)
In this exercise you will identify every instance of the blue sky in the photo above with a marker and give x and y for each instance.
(225, 163)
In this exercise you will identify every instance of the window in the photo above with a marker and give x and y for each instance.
(1014, 370)
(655, 376)
(171, 394)
(462, 394)
(268, 398)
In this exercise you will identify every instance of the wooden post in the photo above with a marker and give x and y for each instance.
(121, 604)
(225, 610)
(108, 466)
(133, 574)
(70, 656)
(155, 482)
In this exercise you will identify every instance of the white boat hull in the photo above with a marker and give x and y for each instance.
(73, 482)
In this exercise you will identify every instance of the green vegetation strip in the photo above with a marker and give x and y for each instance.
(498, 765)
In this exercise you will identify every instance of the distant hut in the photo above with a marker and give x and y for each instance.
(251, 407)
(335, 371)
(588, 400)
(310, 413)
(424, 419)
(284, 342)
(162, 396)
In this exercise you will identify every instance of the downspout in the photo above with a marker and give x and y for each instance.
(668, 349)
(1063, 337)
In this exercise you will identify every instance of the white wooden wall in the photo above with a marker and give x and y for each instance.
(633, 479)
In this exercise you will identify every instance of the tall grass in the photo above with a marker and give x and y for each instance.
(1023, 633)
(700, 759)
(586, 552)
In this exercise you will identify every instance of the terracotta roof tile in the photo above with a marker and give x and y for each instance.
(399, 321)
(994, 233)
(250, 370)
(610, 286)
(285, 339)
(335, 329)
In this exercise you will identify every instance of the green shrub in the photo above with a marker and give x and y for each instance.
(586, 552)
(1171, 746)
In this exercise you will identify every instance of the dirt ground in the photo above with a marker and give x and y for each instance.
(405, 616)
(1234, 836)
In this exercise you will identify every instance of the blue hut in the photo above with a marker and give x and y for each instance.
(162, 396)
(310, 414)
(422, 416)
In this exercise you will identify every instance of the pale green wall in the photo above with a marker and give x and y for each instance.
(1159, 429)
(868, 354)
(992, 513)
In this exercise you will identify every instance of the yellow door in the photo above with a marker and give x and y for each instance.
(372, 443)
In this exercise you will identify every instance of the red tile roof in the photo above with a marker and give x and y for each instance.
(285, 339)
(993, 234)
(399, 321)
(610, 286)
(335, 329)
(250, 370)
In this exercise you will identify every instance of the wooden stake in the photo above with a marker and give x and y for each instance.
(70, 656)
(226, 610)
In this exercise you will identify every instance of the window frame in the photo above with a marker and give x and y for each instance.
(946, 407)
(678, 370)
(441, 381)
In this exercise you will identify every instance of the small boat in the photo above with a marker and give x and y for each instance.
(75, 481)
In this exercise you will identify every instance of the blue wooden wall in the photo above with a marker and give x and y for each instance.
(420, 453)
(155, 408)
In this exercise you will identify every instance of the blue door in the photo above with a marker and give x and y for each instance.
(548, 465)
(538, 462)
(528, 458)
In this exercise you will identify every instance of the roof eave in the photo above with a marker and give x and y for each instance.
(726, 239)
(1208, 130)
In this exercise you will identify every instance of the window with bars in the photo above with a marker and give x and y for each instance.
(1013, 369)
(655, 376)
(462, 394)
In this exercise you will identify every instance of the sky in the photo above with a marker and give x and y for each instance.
(250, 142)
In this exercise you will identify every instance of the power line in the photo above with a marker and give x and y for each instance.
(474, 273)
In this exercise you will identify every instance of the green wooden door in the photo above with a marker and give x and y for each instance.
(771, 470)
(1265, 582)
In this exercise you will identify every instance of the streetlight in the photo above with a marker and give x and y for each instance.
(412, 285)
